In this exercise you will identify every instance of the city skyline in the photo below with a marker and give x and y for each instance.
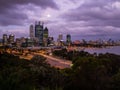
(83, 19)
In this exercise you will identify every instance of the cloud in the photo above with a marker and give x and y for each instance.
(76, 17)
(93, 17)
(12, 18)
(96, 13)
(6, 4)
(12, 11)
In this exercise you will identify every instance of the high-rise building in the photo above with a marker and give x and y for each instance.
(31, 31)
(11, 38)
(39, 32)
(60, 40)
(68, 39)
(29, 42)
(1, 40)
(5, 39)
(45, 32)
(18, 42)
(60, 37)
(45, 36)
(50, 40)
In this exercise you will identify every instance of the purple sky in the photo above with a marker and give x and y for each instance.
(83, 19)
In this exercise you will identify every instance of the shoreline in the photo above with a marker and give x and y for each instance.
(92, 50)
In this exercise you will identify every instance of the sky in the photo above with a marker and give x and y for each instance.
(83, 19)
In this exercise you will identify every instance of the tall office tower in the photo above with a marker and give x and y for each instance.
(50, 40)
(60, 37)
(45, 32)
(60, 40)
(31, 31)
(18, 42)
(39, 33)
(1, 41)
(5, 39)
(68, 39)
(11, 38)
(45, 36)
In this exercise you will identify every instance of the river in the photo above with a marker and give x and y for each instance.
(113, 49)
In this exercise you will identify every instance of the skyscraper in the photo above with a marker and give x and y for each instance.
(11, 38)
(5, 39)
(45, 36)
(45, 32)
(68, 39)
(60, 37)
(31, 31)
(60, 40)
(39, 32)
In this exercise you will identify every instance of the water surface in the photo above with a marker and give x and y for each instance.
(113, 49)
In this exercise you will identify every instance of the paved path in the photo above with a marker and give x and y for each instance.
(60, 63)
(53, 61)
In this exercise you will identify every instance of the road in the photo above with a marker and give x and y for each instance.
(59, 63)
(55, 62)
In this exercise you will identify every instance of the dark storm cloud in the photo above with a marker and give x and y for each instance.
(10, 14)
(6, 4)
(11, 17)
(95, 18)
(95, 13)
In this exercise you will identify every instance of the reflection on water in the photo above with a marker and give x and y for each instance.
(114, 50)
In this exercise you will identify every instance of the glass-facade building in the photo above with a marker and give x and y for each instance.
(68, 38)
(39, 33)
(5, 39)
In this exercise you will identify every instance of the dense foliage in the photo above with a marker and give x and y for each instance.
(20, 74)
(89, 72)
